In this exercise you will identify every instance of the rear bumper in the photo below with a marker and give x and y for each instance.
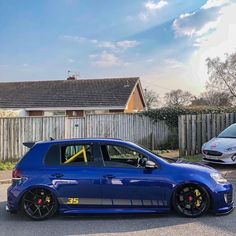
(12, 199)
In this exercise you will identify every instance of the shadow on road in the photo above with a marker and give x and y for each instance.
(105, 224)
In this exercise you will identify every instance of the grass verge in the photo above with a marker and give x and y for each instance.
(7, 165)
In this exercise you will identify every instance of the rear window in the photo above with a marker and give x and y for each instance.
(76, 154)
(71, 155)
(53, 156)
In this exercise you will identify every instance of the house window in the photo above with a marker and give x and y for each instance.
(54, 113)
(92, 112)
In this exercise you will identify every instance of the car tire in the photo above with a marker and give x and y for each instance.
(39, 204)
(191, 200)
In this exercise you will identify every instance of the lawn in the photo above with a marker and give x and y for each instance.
(175, 154)
(7, 165)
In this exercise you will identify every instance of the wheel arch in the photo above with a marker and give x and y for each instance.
(179, 185)
(54, 192)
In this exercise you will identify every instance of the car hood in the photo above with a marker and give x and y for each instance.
(219, 144)
(196, 166)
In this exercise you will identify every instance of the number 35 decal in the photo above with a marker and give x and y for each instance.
(74, 201)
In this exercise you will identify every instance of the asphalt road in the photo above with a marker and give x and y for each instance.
(168, 224)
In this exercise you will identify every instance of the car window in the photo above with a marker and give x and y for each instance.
(53, 156)
(229, 132)
(74, 155)
(80, 154)
(120, 156)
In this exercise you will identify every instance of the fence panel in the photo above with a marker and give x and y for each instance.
(194, 130)
(133, 127)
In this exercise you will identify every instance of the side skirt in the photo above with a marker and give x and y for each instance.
(112, 210)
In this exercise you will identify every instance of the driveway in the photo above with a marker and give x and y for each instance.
(168, 224)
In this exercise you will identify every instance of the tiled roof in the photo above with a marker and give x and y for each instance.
(67, 93)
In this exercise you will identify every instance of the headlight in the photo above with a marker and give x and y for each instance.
(230, 149)
(218, 178)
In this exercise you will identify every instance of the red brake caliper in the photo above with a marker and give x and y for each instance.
(40, 201)
(190, 198)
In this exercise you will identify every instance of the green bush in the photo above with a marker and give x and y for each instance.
(170, 114)
(7, 165)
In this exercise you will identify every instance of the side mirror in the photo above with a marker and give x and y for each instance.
(150, 165)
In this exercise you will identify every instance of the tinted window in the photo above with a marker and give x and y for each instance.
(76, 155)
(230, 132)
(120, 156)
(53, 156)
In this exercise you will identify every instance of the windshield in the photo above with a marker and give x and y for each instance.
(230, 132)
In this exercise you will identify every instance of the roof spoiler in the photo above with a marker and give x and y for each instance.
(29, 144)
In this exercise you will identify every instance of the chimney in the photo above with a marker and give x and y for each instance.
(71, 77)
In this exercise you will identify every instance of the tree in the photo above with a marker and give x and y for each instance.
(178, 98)
(213, 98)
(151, 98)
(222, 74)
(8, 113)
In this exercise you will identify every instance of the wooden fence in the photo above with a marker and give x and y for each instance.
(194, 130)
(133, 127)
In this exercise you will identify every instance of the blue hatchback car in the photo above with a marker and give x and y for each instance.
(77, 176)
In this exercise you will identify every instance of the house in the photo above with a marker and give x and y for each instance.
(72, 97)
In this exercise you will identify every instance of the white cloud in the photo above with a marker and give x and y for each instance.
(127, 44)
(201, 22)
(107, 44)
(152, 5)
(216, 44)
(95, 41)
(106, 59)
(120, 45)
(149, 60)
(215, 3)
(173, 63)
(196, 23)
(143, 16)
(70, 60)
(73, 38)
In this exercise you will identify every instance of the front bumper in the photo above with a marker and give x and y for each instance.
(223, 199)
(225, 158)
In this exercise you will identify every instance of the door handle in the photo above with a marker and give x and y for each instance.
(57, 175)
(109, 176)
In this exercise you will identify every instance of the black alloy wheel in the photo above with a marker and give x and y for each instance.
(191, 200)
(39, 204)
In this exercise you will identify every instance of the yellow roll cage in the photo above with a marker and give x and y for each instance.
(75, 156)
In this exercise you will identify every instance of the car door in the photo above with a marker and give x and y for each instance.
(76, 175)
(127, 185)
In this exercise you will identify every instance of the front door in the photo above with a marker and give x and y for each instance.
(125, 181)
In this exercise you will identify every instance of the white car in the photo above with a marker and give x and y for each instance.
(221, 149)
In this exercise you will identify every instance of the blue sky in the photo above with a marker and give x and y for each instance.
(165, 42)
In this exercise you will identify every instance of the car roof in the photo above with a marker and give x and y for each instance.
(71, 140)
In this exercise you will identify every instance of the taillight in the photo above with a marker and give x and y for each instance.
(16, 174)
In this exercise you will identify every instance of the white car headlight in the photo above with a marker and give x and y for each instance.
(230, 149)
(218, 178)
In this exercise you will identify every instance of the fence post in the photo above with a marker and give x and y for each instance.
(182, 136)
(193, 151)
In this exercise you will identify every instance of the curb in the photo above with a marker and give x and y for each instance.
(5, 181)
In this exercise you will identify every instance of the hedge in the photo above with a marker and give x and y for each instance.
(170, 114)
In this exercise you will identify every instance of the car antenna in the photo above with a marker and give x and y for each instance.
(51, 139)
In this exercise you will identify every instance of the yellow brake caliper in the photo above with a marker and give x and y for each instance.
(199, 198)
